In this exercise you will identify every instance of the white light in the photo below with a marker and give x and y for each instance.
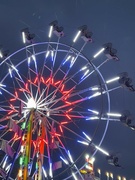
(68, 57)
(1, 56)
(93, 111)
(111, 175)
(95, 94)
(48, 113)
(8, 167)
(50, 172)
(94, 88)
(110, 119)
(14, 68)
(87, 136)
(52, 53)
(83, 142)
(99, 171)
(107, 174)
(102, 150)
(23, 37)
(10, 72)
(31, 103)
(87, 156)
(29, 58)
(47, 54)
(72, 61)
(119, 178)
(44, 172)
(86, 72)
(92, 118)
(92, 159)
(111, 80)
(114, 114)
(70, 157)
(33, 57)
(83, 68)
(4, 164)
(64, 160)
(88, 167)
(99, 52)
(77, 35)
(2, 85)
(50, 32)
(73, 174)
(20, 173)
(22, 148)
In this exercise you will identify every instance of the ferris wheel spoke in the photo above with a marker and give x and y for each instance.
(53, 59)
(85, 90)
(23, 88)
(83, 71)
(69, 104)
(74, 58)
(34, 58)
(67, 153)
(13, 70)
(62, 124)
(93, 71)
(30, 56)
(56, 51)
(53, 102)
(68, 57)
(70, 116)
(12, 95)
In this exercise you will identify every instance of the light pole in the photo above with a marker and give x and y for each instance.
(99, 173)
(107, 175)
(119, 177)
(111, 175)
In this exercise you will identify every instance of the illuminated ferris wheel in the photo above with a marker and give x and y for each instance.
(53, 103)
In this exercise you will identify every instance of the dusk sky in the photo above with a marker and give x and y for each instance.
(110, 21)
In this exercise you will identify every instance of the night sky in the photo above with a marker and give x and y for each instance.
(110, 21)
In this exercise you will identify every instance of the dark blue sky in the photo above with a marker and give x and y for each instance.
(110, 21)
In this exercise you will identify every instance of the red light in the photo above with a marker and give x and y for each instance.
(12, 99)
(61, 129)
(22, 90)
(47, 80)
(57, 82)
(56, 134)
(42, 79)
(35, 80)
(69, 110)
(52, 81)
(44, 141)
(64, 122)
(68, 116)
(10, 112)
(52, 139)
(16, 94)
(62, 87)
(26, 86)
(34, 144)
(68, 102)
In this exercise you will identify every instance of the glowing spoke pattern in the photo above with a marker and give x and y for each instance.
(50, 94)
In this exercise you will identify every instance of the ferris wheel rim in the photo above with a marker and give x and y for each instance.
(97, 71)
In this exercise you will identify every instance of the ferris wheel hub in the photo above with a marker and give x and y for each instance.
(31, 104)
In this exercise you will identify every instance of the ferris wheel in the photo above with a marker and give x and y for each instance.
(53, 102)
